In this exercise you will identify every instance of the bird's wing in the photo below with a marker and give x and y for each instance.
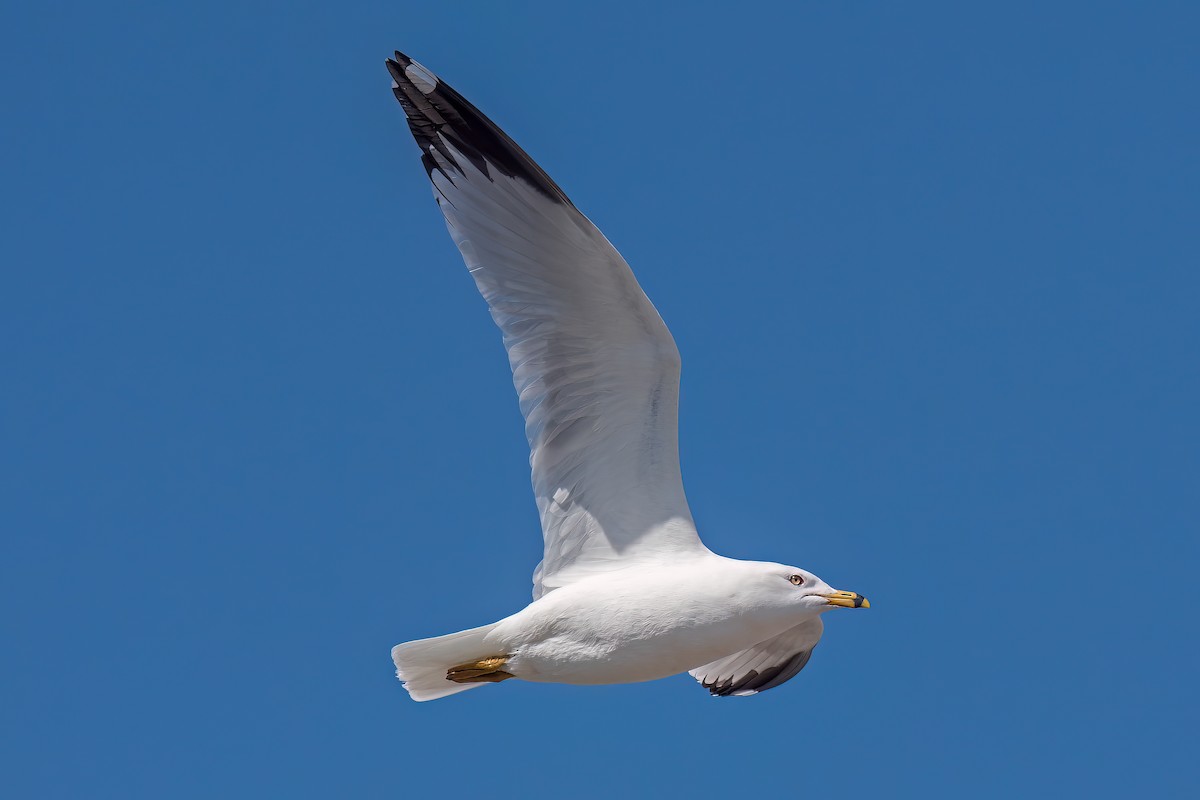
(764, 666)
(595, 368)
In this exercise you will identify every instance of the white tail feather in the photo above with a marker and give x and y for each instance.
(422, 664)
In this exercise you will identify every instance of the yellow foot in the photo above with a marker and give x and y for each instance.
(485, 670)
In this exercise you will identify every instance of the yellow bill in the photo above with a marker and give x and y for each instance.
(847, 600)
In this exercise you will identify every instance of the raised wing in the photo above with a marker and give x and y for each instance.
(764, 666)
(595, 368)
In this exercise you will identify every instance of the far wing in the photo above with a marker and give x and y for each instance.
(764, 666)
(596, 371)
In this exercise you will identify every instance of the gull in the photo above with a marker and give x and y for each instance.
(626, 591)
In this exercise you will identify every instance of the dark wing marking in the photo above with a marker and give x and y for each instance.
(441, 110)
(764, 666)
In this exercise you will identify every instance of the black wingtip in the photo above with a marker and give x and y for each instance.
(395, 69)
(398, 61)
(435, 110)
(754, 681)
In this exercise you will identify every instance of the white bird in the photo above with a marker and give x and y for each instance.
(626, 591)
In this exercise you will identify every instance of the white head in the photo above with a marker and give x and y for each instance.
(795, 589)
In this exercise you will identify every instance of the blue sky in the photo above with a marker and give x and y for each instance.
(932, 268)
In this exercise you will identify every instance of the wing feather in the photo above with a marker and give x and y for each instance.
(764, 666)
(595, 369)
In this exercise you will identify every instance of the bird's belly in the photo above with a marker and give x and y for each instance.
(612, 642)
(567, 660)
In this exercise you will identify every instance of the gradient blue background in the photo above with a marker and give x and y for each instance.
(932, 268)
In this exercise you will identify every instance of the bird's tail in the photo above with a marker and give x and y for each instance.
(426, 665)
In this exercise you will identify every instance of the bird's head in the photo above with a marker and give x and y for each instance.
(795, 588)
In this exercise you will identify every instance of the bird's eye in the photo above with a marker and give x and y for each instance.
(797, 580)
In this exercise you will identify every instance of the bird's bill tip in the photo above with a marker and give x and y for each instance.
(847, 600)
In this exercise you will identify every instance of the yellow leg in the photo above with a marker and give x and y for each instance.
(485, 670)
